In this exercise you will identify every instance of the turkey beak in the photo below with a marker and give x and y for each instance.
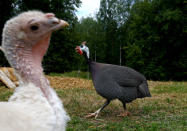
(64, 23)
(58, 24)
(78, 50)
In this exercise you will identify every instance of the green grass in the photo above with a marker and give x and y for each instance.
(172, 88)
(166, 110)
(79, 74)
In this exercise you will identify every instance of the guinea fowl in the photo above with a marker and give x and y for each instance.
(34, 105)
(115, 82)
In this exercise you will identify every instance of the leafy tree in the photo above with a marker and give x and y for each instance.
(155, 37)
(61, 52)
(112, 15)
(151, 32)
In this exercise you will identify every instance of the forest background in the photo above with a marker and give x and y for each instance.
(147, 35)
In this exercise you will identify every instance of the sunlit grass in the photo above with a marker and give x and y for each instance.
(76, 74)
(166, 110)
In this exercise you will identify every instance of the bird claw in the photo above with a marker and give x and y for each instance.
(92, 115)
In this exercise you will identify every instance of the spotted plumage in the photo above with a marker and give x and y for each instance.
(115, 82)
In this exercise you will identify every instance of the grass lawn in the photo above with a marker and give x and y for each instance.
(166, 110)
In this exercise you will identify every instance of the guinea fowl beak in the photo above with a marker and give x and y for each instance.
(78, 50)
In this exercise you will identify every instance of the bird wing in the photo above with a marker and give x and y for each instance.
(128, 82)
(125, 76)
(129, 78)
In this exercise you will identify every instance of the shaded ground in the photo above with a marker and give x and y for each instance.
(166, 110)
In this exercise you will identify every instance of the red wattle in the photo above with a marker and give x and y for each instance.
(80, 52)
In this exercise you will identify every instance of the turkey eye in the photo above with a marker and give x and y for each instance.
(34, 27)
(81, 46)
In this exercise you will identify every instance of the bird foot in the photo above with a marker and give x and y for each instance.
(125, 114)
(93, 114)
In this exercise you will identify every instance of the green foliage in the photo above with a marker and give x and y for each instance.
(155, 39)
(79, 74)
(147, 35)
(6, 9)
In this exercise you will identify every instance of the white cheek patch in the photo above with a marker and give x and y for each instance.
(21, 35)
(86, 49)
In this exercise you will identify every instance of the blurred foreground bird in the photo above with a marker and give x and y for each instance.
(115, 82)
(34, 106)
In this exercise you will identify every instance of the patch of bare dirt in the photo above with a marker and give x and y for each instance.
(69, 82)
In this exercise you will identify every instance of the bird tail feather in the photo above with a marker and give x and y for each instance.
(143, 88)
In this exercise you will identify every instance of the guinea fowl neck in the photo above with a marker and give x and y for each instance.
(88, 60)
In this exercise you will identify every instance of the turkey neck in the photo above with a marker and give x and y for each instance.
(29, 68)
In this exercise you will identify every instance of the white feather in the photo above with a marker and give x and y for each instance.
(21, 113)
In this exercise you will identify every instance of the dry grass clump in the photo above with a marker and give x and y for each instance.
(69, 82)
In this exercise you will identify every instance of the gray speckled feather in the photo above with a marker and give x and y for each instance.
(123, 83)
(115, 82)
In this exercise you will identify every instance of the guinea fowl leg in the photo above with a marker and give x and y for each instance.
(98, 111)
(126, 113)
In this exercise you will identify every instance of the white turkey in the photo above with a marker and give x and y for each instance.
(34, 105)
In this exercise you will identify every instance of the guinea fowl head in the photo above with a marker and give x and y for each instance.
(25, 40)
(83, 50)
